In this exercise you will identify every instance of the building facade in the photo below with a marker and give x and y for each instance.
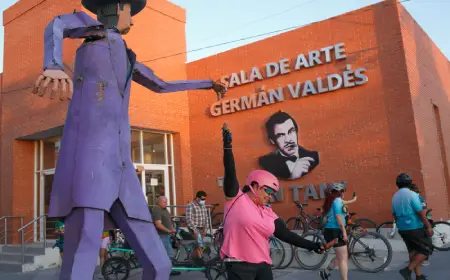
(369, 92)
(363, 96)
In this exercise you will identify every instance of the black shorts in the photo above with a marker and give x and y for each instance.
(417, 241)
(331, 234)
(248, 271)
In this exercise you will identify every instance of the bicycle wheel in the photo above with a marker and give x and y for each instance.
(302, 256)
(217, 219)
(440, 239)
(115, 266)
(288, 257)
(366, 223)
(294, 223)
(358, 247)
(277, 252)
(388, 230)
(217, 240)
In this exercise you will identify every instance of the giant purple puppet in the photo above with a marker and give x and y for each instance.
(95, 179)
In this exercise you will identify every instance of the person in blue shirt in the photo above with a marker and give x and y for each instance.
(413, 226)
(334, 228)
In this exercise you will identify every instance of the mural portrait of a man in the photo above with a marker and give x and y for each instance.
(290, 160)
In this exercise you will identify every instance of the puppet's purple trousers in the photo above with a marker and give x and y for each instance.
(83, 235)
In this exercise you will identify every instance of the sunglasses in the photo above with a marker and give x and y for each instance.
(268, 191)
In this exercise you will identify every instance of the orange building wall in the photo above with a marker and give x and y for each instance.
(365, 135)
(429, 79)
(24, 113)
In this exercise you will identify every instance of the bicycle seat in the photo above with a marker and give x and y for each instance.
(352, 213)
(215, 205)
(304, 204)
(318, 209)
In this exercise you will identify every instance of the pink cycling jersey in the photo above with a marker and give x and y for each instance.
(247, 230)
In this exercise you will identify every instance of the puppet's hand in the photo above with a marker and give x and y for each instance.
(56, 77)
(220, 90)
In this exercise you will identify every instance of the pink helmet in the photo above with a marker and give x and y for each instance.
(263, 178)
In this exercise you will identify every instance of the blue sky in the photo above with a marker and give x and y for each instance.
(214, 22)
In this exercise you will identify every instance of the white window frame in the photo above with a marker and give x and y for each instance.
(40, 173)
(168, 138)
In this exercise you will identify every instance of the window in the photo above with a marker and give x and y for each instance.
(154, 148)
(50, 152)
(136, 146)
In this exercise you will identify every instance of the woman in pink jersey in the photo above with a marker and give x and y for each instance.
(249, 223)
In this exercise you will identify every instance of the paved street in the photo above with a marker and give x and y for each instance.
(439, 269)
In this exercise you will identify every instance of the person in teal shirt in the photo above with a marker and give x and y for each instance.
(413, 226)
(334, 228)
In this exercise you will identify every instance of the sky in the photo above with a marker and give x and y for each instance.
(220, 21)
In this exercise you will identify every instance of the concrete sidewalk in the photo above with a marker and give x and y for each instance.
(439, 269)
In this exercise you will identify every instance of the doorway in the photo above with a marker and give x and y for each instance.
(154, 181)
(45, 189)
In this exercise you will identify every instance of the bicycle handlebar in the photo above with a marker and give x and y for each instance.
(300, 205)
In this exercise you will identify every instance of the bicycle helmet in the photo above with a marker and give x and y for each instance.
(263, 178)
(403, 180)
(337, 187)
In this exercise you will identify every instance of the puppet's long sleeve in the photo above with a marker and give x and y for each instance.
(76, 25)
(145, 76)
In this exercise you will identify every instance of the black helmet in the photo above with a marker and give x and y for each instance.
(93, 5)
(403, 180)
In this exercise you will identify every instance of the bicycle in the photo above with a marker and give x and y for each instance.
(183, 239)
(123, 265)
(304, 220)
(357, 237)
(441, 231)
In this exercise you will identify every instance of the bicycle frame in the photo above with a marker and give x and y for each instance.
(305, 218)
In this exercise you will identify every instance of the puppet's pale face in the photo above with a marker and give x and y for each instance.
(125, 22)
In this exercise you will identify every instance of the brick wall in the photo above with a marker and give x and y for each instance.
(429, 79)
(24, 113)
(365, 135)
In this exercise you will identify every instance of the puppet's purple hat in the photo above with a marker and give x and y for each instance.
(93, 5)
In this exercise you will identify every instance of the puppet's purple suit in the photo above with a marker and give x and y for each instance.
(94, 173)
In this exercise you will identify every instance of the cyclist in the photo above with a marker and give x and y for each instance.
(249, 223)
(334, 211)
(415, 189)
(410, 219)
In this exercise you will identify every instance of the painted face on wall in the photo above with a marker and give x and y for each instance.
(125, 22)
(286, 138)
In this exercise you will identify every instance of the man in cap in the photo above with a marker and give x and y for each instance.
(95, 180)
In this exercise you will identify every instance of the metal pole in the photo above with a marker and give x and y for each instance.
(22, 249)
(6, 231)
(210, 221)
(45, 232)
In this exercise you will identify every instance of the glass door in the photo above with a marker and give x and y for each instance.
(45, 189)
(155, 183)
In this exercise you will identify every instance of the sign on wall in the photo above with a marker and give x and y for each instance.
(289, 160)
(263, 97)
